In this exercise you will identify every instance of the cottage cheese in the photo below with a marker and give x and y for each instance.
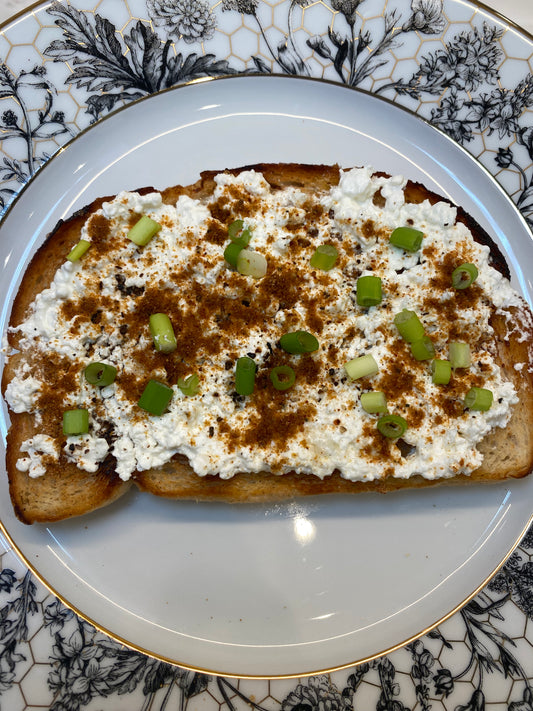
(97, 310)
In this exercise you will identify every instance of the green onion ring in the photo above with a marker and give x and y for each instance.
(298, 342)
(162, 333)
(101, 374)
(423, 348)
(478, 399)
(282, 377)
(464, 276)
(76, 422)
(232, 252)
(409, 325)
(392, 426)
(374, 402)
(245, 375)
(143, 231)
(78, 250)
(190, 385)
(155, 397)
(407, 238)
(324, 257)
(459, 354)
(361, 367)
(368, 290)
(441, 371)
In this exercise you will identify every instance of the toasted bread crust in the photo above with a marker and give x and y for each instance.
(66, 491)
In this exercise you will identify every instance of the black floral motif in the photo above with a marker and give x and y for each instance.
(286, 55)
(190, 20)
(29, 123)
(102, 67)
(14, 616)
(316, 694)
(358, 55)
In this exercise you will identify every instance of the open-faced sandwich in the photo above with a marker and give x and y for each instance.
(268, 332)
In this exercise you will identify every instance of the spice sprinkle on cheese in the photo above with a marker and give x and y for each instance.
(98, 307)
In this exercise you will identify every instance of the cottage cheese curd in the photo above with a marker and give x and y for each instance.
(97, 309)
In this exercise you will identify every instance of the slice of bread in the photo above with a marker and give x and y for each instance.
(65, 490)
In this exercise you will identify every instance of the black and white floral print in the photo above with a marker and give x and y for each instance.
(482, 657)
(454, 667)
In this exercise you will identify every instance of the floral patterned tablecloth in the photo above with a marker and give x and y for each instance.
(64, 66)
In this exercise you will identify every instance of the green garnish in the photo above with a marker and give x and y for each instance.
(143, 231)
(423, 348)
(464, 276)
(361, 367)
(252, 264)
(441, 371)
(190, 385)
(235, 228)
(245, 375)
(478, 399)
(374, 402)
(459, 355)
(407, 238)
(155, 397)
(100, 374)
(409, 326)
(298, 342)
(232, 252)
(76, 422)
(324, 257)
(238, 234)
(282, 377)
(78, 250)
(162, 333)
(392, 426)
(368, 290)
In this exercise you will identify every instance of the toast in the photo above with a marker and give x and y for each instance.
(60, 487)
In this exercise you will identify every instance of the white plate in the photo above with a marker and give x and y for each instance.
(312, 584)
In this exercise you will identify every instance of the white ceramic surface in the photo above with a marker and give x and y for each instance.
(291, 589)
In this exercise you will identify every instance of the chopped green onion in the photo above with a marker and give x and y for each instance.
(162, 333)
(409, 326)
(234, 228)
(298, 342)
(252, 264)
(76, 422)
(78, 250)
(441, 371)
(100, 374)
(155, 397)
(374, 402)
(407, 238)
(282, 377)
(190, 385)
(143, 230)
(324, 257)
(361, 367)
(392, 426)
(245, 375)
(368, 290)
(459, 355)
(423, 348)
(478, 399)
(237, 234)
(464, 276)
(231, 253)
